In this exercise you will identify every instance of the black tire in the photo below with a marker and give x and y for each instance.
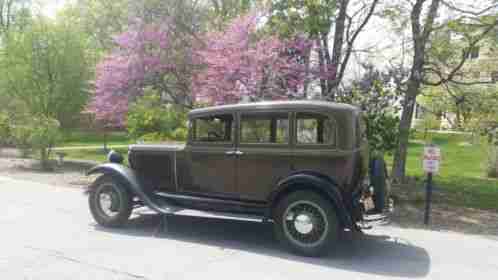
(319, 241)
(121, 203)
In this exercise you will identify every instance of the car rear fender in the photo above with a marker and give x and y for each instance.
(315, 182)
(129, 179)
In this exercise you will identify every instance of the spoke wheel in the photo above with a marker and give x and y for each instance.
(306, 223)
(110, 202)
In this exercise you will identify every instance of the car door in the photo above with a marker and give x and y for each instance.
(263, 152)
(210, 155)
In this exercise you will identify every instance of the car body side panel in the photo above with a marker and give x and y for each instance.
(211, 171)
(260, 167)
(155, 168)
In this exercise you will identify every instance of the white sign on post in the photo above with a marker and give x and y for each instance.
(432, 157)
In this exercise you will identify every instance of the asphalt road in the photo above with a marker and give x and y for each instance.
(47, 233)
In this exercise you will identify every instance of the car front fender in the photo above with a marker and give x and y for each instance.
(130, 180)
(307, 181)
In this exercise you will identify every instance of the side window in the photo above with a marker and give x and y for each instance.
(264, 128)
(313, 128)
(215, 128)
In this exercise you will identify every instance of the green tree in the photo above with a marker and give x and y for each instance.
(45, 68)
(433, 61)
(150, 119)
(325, 21)
(44, 71)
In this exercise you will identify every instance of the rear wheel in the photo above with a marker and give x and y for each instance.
(110, 202)
(306, 223)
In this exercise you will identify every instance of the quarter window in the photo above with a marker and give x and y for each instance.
(264, 128)
(216, 128)
(315, 128)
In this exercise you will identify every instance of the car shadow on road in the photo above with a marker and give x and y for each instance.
(370, 254)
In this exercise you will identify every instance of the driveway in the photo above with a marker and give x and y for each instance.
(47, 233)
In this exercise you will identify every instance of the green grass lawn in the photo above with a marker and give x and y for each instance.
(93, 138)
(97, 155)
(461, 180)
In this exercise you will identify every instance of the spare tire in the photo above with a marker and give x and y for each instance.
(378, 180)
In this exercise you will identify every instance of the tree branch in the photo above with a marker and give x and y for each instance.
(462, 61)
(476, 13)
(350, 42)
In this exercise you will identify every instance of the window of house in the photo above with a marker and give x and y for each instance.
(216, 128)
(264, 128)
(473, 53)
(313, 128)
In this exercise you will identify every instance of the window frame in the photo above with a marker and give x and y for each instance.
(193, 131)
(268, 144)
(314, 145)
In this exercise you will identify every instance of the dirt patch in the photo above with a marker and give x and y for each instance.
(410, 209)
(70, 174)
(447, 218)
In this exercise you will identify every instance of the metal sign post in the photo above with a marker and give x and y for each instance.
(432, 157)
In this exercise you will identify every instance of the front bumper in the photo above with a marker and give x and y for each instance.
(375, 219)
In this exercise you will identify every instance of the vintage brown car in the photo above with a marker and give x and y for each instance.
(302, 165)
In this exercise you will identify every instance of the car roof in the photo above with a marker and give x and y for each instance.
(275, 105)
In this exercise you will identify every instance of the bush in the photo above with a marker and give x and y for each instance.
(150, 119)
(429, 122)
(37, 133)
(5, 129)
(21, 134)
(492, 164)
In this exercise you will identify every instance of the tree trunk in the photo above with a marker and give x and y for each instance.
(321, 64)
(398, 172)
(306, 73)
(420, 37)
(340, 26)
(44, 160)
(458, 117)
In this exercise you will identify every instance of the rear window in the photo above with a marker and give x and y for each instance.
(314, 128)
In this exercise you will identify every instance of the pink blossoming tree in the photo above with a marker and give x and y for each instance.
(228, 66)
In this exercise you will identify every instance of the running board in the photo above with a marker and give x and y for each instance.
(175, 204)
(219, 215)
(180, 211)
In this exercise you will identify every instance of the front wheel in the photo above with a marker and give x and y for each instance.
(306, 223)
(110, 202)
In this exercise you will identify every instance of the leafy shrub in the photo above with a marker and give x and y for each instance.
(382, 131)
(150, 119)
(429, 122)
(378, 103)
(21, 134)
(37, 133)
(5, 129)
(492, 164)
